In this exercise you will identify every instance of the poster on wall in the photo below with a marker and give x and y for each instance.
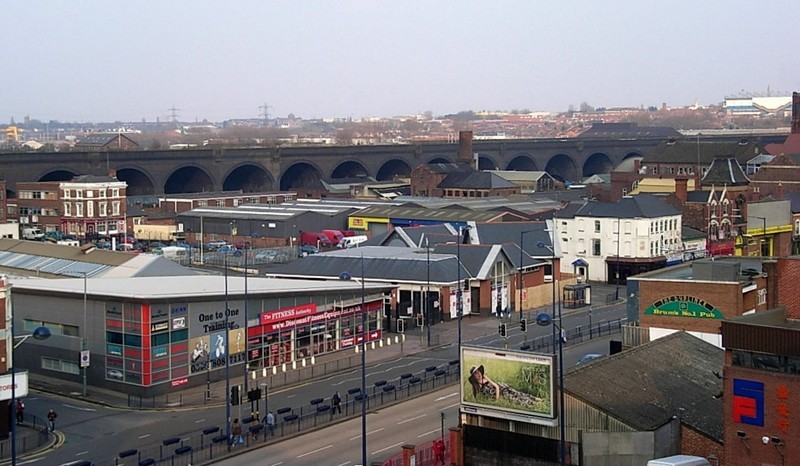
(199, 354)
(515, 385)
(466, 300)
(237, 342)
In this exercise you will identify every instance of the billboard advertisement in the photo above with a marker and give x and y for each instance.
(514, 385)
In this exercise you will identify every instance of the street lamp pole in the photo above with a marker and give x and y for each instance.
(459, 300)
(40, 333)
(616, 280)
(520, 281)
(428, 319)
(363, 369)
(246, 354)
(227, 360)
(84, 332)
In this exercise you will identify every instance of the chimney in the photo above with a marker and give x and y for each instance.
(681, 187)
(112, 173)
(465, 148)
(779, 191)
(795, 112)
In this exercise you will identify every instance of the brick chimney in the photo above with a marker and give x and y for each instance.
(112, 173)
(681, 188)
(779, 192)
(795, 112)
(465, 148)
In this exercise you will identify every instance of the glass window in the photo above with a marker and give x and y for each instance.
(180, 335)
(133, 340)
(159, 339)
(114, 337)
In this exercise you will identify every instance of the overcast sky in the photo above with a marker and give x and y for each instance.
(92, 60)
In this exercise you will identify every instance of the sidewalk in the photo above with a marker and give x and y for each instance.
(441, 334)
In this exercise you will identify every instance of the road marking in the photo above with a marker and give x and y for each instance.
(447, 396)
(144, 436)
(412, 419)
(199, 421)
(346, 462)
(388, 448)
(79, 408)
(450, 406)
(315, 451)
(81, 453)
(375, 431)
(276, 464)
(34, 460)
(428, 433)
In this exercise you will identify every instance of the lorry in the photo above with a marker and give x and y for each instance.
(316, 239)
(334, 236)
(163, 233)
(32, 233)
(679, 460)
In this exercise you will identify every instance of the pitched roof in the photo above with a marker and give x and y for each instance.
(475, 180)
(675, 374)
(628, 130)
(691, 233)
(445, 168)
(690, 151)
(640, 206)
(725, 171)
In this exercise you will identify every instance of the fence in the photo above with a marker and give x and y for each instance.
(32, 434)
(424, 455)
(581, 333)
(212, 443)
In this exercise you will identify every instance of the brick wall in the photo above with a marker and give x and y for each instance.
(697, 444)
(788, 271)
(726, 297)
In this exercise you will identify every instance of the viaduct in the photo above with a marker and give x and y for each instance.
(288, 168)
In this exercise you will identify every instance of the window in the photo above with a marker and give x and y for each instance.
(66, 194)
(79, 210)
(115, 192)
(60, 365)
(89, 193)
(596, 247)
(597, 226)
(102, 193)
(104, 209)
(655, 170)
(220, 202)
(762, 296)
(90, 209)
(115, 208)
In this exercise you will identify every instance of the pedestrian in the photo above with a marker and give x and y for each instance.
(51, 420)
(269, 421)
(236, 433)
(438, 451)
(20, 411)
(336, 401)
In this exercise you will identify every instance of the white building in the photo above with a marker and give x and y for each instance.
(595, 247)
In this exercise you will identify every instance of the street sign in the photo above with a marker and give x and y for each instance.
(84, 358)
(21, 382)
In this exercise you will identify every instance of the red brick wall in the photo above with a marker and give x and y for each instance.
(752, 450)
(726, 297)
(788, 269)
(697, 444)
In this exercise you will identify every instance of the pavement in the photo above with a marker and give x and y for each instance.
(442, 334)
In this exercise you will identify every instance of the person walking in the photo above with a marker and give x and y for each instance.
(51, 420)
(336, 402)
(269, 421)
(438, 451)
(236, 433)
(20, 411)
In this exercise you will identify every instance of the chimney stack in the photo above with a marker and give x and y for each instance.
(795, 112)
(465, 148)
(681, 188)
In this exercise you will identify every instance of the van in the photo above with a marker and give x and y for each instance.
(351, 241)
(32, 233)
(679, 460)
(334, 236)
(314, 239)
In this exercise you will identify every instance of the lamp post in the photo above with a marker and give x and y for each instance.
(347, 276)
(227, 359)
(41, 333)
(246, 353)
(459, 300)
(428, 319)
(545, 319)
(520, 284)
(763, 234)
(84, 331)
(616, 280)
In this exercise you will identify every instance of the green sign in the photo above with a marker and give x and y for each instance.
(684, 306)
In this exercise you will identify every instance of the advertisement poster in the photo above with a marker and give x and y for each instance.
(199, 354)
(513, 385)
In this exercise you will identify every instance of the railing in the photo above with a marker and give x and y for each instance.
(424, 455)
(211, 442)
(581, 333)
(32, 434)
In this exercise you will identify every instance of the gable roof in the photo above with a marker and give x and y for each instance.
(628, 130)
(675, 374)
(640, 206)
(690, 151)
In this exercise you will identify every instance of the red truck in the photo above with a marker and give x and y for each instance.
(334, 236)
(315, 239)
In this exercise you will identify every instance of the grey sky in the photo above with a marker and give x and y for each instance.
(94, 60)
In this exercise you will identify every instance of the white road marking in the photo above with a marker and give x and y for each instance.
(81, 453)
(144, 436)
(388, 448)
(79, 408)
(450, 406)
(346, 462)
(428, 433)
(447, 396)
(315, 451)
(412, 419)
(199, 421)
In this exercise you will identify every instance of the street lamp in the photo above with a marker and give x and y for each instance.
(544, 319)
(459, 300)
(520, 286)
(347, 276)
(763, 234)
(227, 358)
(40, 333)
(427, 308)
(84, 331)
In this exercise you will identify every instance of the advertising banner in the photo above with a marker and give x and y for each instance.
(512, 385)
(21, 382)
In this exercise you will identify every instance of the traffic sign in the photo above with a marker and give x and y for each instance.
(84, 358)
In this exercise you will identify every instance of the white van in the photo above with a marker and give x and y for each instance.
(679, 460)
(32, 233)
(351, 241)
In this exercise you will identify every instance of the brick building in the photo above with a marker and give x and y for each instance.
(101, 142)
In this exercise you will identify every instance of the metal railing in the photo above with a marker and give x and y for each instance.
(32, 434)
(211, 442)
(581, 333)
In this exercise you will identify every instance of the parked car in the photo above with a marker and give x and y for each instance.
(266, 256)
(229, 249)
(587, 358)
(306, 249)
(214, 245)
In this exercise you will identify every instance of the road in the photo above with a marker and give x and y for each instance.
(98, 434)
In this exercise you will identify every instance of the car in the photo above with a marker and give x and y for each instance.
(306, 249)
(214, 245)
(229, 249)
(266, 256)
(587, 358)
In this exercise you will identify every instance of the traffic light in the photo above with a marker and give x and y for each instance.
(254, 394)
(401, 325)
(503, 329)
(523, 325)
(235, 395)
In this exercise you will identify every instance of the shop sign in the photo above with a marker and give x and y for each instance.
(159, 326)
(684, 306)
(287, 313)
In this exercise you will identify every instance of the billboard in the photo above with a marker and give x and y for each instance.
(514, 385)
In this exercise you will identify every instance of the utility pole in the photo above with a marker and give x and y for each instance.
(265, 112)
